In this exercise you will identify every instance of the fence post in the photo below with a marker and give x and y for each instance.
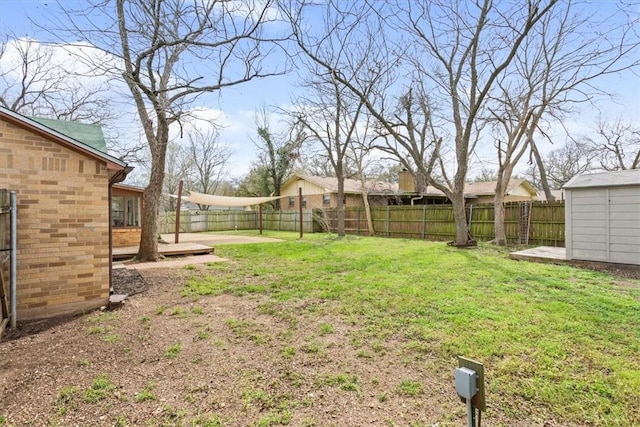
(177, 231)
(424, 221)
(387, 222)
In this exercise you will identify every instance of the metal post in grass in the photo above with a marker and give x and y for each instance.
(177, 233)
(260, 218)
(300, 208)
(469, 383)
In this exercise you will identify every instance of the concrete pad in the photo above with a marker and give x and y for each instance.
(217, 239)
(176, 262)
(541, 254)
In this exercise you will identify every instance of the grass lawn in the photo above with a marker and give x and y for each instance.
(557, 342)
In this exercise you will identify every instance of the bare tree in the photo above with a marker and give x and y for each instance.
(170, 53)
(564, 163)
(579, 47)
(454, 53)
(358, 152)
(177, 169)
(554, 70)
(277, 153)
(207, 158)
(616, 144)
(35, 83)
(330, 116)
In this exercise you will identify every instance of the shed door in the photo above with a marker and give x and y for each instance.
(588, 224)
(624, 225)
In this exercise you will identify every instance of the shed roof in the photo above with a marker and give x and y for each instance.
(605, 179)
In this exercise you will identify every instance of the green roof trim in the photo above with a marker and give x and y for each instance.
(90, 135)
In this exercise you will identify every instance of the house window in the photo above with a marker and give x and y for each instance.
(292, 201)
(304, 201)
(326, 199)
(125, 211)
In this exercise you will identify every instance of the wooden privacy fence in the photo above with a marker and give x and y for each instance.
(191, 222)
(534, 223)
(539, 223)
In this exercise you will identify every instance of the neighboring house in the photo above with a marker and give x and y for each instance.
(63, 179)
(518, 190)
(126, 214)
(319, 192)
(474, 192)
(602, 217)
(558, 195)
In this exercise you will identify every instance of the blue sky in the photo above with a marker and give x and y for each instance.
(235, 106)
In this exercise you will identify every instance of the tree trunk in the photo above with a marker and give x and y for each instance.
(504, 176)
(367, 211)
(460, 217)
(151, 201)
(543, 174)
(498, 222)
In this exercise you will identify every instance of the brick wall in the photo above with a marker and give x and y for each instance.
(315, 201)
(123, 237)
(63, 230)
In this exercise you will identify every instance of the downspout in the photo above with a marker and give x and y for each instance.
(13, 260)
(118, 177)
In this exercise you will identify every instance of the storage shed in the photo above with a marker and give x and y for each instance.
(602, 217)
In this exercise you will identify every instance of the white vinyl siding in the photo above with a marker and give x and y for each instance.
(603, 224)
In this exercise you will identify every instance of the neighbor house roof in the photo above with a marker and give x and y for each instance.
(605, 179)
(70, 141)
(351, 186)
(488, 188)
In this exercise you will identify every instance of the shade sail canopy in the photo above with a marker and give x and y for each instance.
(226, 201)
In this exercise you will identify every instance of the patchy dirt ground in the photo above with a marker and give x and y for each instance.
(167, 360)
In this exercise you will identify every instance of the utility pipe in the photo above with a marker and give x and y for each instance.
(416, 198)
(13, 272)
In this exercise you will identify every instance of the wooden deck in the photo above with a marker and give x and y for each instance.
(169, 249)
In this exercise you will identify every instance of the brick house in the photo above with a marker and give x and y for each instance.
(320, 192)
(475, 193)
(63, 190)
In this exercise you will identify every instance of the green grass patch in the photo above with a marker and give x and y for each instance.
(95, 330)
(66, 399)
(347, 382)
(146, 394)
(111, 338)
(99, 389)
(173, 351)
(558, 338)
(179, 312)
(326, 328)
(280, 418)
(409, 388)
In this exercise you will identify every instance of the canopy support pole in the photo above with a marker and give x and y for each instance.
(300, 204)
(177, 238)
